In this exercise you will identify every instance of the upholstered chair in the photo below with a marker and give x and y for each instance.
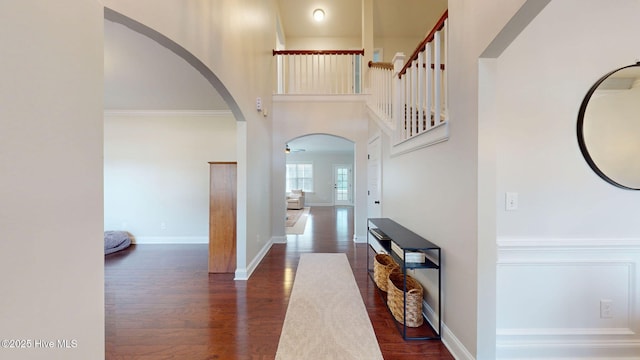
(295, 199)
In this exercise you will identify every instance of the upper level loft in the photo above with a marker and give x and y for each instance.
(319, 72)
(406, 97)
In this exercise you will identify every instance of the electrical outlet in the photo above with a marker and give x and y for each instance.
(163, 226)
(606, 309)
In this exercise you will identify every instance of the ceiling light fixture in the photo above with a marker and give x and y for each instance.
(318, 14)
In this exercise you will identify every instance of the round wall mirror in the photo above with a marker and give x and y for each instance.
(609, 127)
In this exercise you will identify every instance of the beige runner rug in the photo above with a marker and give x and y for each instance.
(292, 216)
(326, 317)
(297, 228)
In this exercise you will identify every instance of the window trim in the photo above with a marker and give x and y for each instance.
(313, 175)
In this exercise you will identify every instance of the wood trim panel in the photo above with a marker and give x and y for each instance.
(222, 217)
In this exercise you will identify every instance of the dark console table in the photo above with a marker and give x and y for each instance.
(390, 235)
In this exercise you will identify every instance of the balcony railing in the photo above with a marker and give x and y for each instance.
(411, 97)
(319, 71)
(408, 98)
(381, 77)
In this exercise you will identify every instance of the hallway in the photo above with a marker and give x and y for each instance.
(161, 303)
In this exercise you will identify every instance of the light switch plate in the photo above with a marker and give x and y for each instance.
(511, 201)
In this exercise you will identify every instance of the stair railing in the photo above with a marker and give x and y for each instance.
(381, 75)
(418, 102)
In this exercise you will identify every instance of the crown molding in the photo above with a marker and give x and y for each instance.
(168, 113)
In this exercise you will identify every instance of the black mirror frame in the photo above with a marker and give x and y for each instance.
(580, 125)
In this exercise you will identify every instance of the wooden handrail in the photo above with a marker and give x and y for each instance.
(439, 25)
(318, 52)
(381, 65)
(389, 66)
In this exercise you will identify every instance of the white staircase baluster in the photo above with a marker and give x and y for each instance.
(414, 98)
(445, 92)
(420, 92)
(429, 95)
(438, 76)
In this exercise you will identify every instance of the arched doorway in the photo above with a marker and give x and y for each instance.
(321, 165)
(332, 158)
(170, 110)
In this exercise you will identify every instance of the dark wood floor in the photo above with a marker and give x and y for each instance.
(162, 304)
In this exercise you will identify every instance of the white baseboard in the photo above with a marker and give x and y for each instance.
(279, 239)
(244, 274)
(577, 349)
(430, 314)
(170, 240)
(455, 347)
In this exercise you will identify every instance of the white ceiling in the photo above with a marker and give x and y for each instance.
(391, 18)
(406, 18)
(342, 18)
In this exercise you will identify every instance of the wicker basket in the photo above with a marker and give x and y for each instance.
(395, 299)
(383, 264)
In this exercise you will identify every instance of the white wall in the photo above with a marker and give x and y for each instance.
(323, 177)
(231, 42)
(299, 115)
(434, 191)
(323, 43)
(394, 41)
(141, 74)
(156, 172)
(393, 45)
(574, 240)
(51, 252)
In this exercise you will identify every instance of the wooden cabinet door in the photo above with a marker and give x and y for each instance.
(222, 217)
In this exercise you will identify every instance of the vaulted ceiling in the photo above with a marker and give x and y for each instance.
(142, 75)
(391, 18)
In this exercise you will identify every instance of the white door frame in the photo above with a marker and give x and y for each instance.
(374, 177)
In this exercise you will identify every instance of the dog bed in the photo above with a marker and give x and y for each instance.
(116, 241)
